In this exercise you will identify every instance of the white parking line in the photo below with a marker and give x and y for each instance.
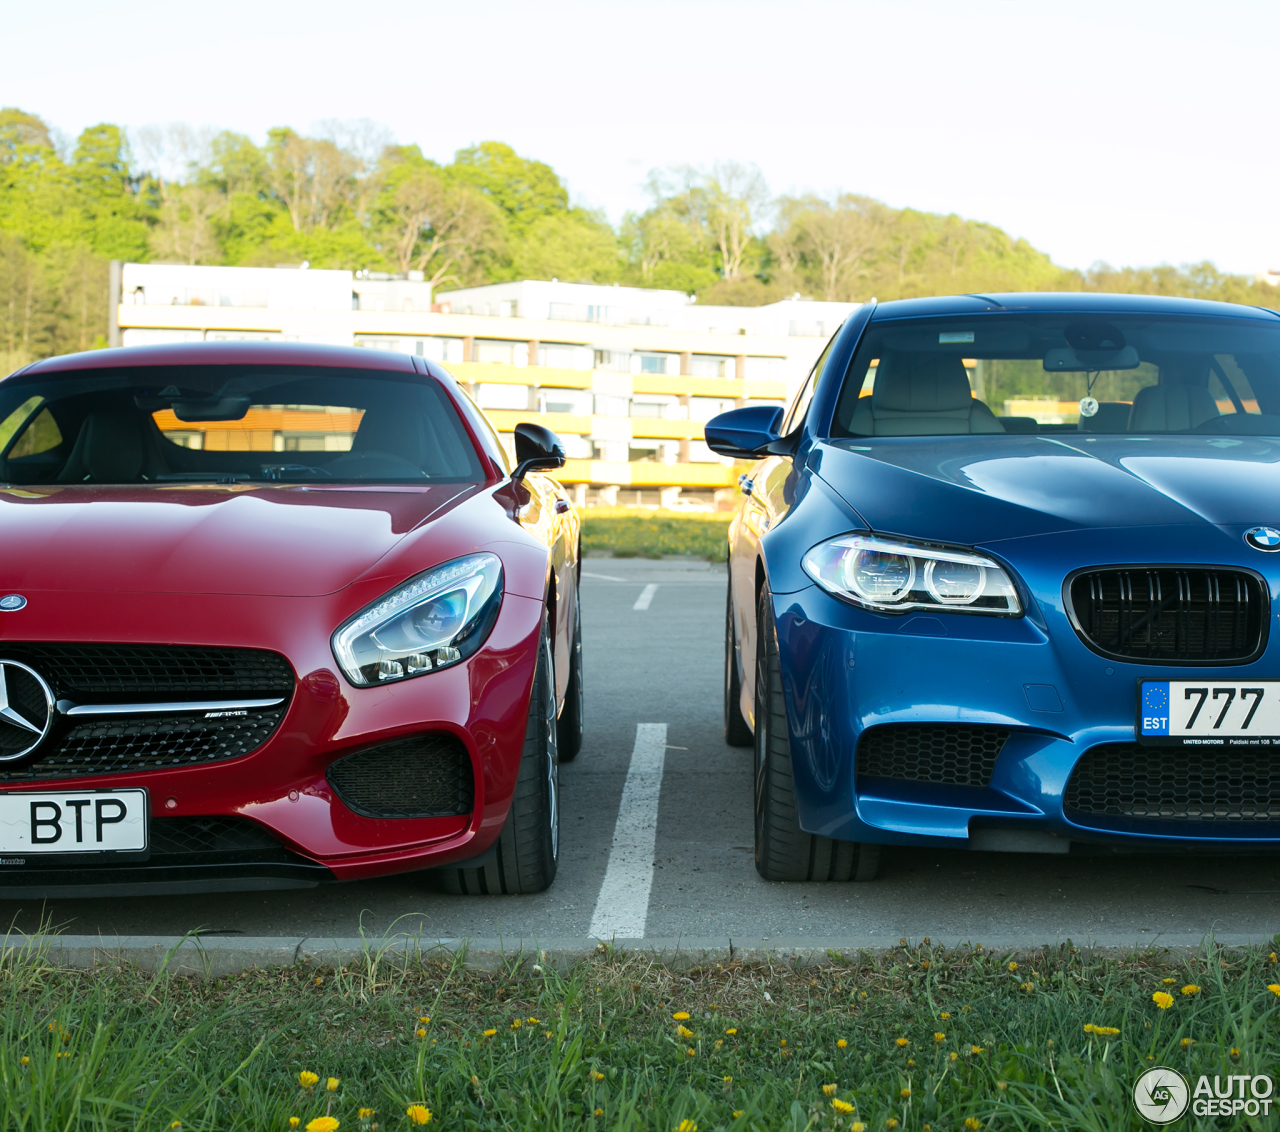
(603, 577)
(623, 904)
(646, 596)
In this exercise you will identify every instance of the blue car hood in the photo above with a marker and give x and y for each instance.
(981, 489)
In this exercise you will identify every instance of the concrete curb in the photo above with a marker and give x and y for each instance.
(213, 955)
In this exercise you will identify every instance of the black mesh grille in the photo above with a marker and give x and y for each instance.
(1189, 616)
(1199, 784)
(114, 745)
(945, 753)
(177, 837)
(419, 777)
(102, 673)
(107, 674)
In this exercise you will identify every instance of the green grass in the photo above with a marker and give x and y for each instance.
(141, 1051)
(628, 532)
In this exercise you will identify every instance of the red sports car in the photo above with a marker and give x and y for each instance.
(275, 615)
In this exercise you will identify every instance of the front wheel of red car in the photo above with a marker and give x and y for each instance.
(784, 851)
(524, 857)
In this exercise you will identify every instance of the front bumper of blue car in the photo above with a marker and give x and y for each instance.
(1004, 710)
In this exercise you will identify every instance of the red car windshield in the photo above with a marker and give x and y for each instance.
(228, 423)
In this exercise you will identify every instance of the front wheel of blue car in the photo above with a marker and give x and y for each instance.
(784, 851)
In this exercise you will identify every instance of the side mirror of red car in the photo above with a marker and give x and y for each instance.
(538, 449)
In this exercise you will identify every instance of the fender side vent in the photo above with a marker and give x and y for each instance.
(423, 776)
(948, 754)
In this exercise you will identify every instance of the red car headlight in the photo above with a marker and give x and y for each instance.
(434, 620)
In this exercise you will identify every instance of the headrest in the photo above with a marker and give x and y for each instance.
(921, 383)
(1171, 408)
(113, 447)
(394, 433)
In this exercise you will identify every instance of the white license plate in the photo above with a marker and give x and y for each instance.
(74, 821)
(1209, 712)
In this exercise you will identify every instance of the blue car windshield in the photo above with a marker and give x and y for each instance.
(1002, 374)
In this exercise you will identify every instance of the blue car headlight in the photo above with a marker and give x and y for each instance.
(434, 620)
(891, 576)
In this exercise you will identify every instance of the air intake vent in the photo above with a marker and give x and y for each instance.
(424, 776)
(1186, 784)
(945, 753)
(1175, 615)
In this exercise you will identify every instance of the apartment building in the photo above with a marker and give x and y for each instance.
(626, 376)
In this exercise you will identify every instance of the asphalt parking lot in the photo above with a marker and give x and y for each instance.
(653, 639)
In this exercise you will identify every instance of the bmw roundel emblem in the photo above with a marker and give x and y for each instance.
(1263, 538)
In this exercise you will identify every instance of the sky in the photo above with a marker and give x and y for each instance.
(1128, 132)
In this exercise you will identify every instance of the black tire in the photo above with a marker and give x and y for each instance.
(784, 851)
(524, 857)
(571, 716)
(736, 731)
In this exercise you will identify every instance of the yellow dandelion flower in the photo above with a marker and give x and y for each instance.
(420, 1032)
(686, 1126)
(1274, 988)
(891, 1122)
(737, 1113)
(1235, 1053)
(307, 1079)
(1012, 965)
(944, 1015)
(319, 981)
(1106, 1031)
(842, 1107)
(598, 1112)
(533, 1022)
(490, 1033)
(418, 1114)
(939, 1036)
(784, 1041)
(323, 1124)
(925, 964)
(857, 1126)
(1162, 999)
(1168, 982)
(365, 1113)
(596, 1075)
(546, 1033)
(681, 1016)
(911, 1061)
(841, 1043)
(728, 1080)
(977, 1049)
(953, 1055)
(900, 1042)
(1028, 987)
(1272, 957)
(719, 1042)
(683, 1032)
(176, 1124)
(294, 1121)
(331, 1085)
(904, 1093)
(972, 1123)
(830, 1090)
(1190, 989)
(1187, 1043)
(1002, 1085)
(731, 1031)
(52, 1027)
(691, 1052)
(24, 1060)
(425, 1019)
(1088, 1027)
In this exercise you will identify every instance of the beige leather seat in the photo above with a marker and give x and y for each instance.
(921, 395)
(1171, 408)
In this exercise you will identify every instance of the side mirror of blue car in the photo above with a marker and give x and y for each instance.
(744, 433)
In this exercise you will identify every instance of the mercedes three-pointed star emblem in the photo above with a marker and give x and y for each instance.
(26, 710)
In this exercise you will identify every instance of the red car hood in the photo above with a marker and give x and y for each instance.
(291, 541)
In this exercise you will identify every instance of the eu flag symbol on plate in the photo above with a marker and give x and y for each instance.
(1155, 707)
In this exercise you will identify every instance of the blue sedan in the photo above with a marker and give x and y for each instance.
(1004, 580)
